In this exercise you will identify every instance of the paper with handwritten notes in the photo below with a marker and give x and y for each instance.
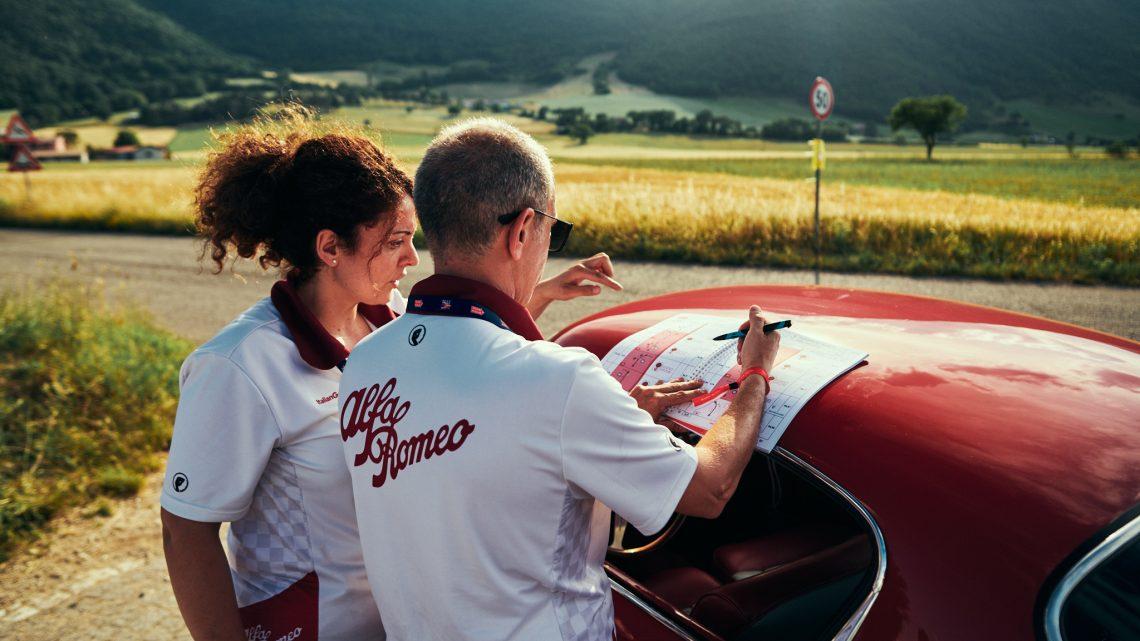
(681, 346)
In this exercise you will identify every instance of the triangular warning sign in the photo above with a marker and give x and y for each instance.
(18, 130)
(23, 160)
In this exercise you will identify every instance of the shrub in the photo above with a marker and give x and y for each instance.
(87, 396)
(1116, 149)
(119, 483)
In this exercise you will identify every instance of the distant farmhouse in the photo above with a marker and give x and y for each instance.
(132, 152)
(55, 149)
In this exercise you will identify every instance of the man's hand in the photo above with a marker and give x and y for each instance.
(757, 349)
(655, 399)
(574, 282)
(726, 448)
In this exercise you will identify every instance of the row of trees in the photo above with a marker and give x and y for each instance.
(931, 117)
(245, 103)
(581, 125)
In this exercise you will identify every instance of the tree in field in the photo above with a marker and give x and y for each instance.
(929, 116)
(126, 138)
(581, 131)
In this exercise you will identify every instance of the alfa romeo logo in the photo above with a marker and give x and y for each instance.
(416, 336)
(181, 482)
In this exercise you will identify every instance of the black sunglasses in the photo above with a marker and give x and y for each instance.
(559, 231)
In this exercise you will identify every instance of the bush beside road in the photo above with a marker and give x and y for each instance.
(87, 396)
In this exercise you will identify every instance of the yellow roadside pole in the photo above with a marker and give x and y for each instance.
(821, 101)
(818, 163)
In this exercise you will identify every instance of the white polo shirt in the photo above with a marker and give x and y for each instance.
(482, 463)
(256, 443)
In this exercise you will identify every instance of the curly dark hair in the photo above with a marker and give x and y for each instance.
(274, 184)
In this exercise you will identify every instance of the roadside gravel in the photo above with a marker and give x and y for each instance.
(164, 275)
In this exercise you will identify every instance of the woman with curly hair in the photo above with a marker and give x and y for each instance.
(257, 440)
(256, 437)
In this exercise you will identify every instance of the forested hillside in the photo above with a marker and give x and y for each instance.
(70, 58)
(65, 58)
(876, 50)
(527, 38)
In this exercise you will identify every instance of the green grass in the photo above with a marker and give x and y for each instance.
(191, 138)
(1092, 181)
(87, 398)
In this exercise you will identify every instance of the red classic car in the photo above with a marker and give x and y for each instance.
(977, 478)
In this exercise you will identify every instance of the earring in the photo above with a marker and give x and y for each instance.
(334, 262)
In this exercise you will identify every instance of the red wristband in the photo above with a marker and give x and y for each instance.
(763, 374)
(717, 392)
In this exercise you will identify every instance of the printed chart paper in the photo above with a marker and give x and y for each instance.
(681, 346)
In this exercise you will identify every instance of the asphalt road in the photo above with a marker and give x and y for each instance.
(164, 275)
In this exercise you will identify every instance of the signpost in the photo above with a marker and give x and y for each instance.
(18, 131)
(24, 161)
(16, 134)
(821, 101)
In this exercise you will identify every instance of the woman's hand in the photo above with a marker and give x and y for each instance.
(574, 282)
(655, 399)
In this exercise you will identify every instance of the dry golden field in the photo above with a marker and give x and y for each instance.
(700, 217)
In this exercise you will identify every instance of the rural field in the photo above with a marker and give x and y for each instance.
(994, 211)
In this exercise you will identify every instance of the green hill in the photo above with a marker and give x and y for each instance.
(530, 38)
(1064, 64)
(873, 51)
(71, 58)
(876, 51)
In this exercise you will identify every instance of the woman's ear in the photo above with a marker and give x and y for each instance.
(327, 246)
(519, 234)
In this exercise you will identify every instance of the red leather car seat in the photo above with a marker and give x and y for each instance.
(681, 586)
(727, 609)
(738, 561)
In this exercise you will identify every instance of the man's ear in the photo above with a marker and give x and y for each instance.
(327, 246)
(519, 233)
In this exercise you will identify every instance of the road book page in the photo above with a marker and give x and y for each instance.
(682, 346)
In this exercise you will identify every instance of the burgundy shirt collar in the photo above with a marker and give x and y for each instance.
(516, 316)
(316, 346)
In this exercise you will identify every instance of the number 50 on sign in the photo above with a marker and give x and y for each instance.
(822, 98)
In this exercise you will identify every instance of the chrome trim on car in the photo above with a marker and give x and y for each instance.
(1082, 569)
(851, 627)
(661, 618)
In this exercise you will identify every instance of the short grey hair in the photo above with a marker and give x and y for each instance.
(472, 173)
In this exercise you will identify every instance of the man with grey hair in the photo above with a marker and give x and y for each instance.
(482, 457)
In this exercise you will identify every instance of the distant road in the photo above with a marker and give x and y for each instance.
(164, 275)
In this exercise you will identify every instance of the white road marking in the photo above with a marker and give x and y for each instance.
(20, 612)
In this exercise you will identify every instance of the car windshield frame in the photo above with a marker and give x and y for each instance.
(851, 625)
(1117, 538)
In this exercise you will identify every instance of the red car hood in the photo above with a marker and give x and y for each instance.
(987, 444)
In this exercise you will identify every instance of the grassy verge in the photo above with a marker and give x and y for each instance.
(87, 398)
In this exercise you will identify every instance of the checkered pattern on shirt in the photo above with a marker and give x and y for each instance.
(270, 545)
(582, 600)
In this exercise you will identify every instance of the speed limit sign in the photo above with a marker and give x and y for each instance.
(822, 98)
